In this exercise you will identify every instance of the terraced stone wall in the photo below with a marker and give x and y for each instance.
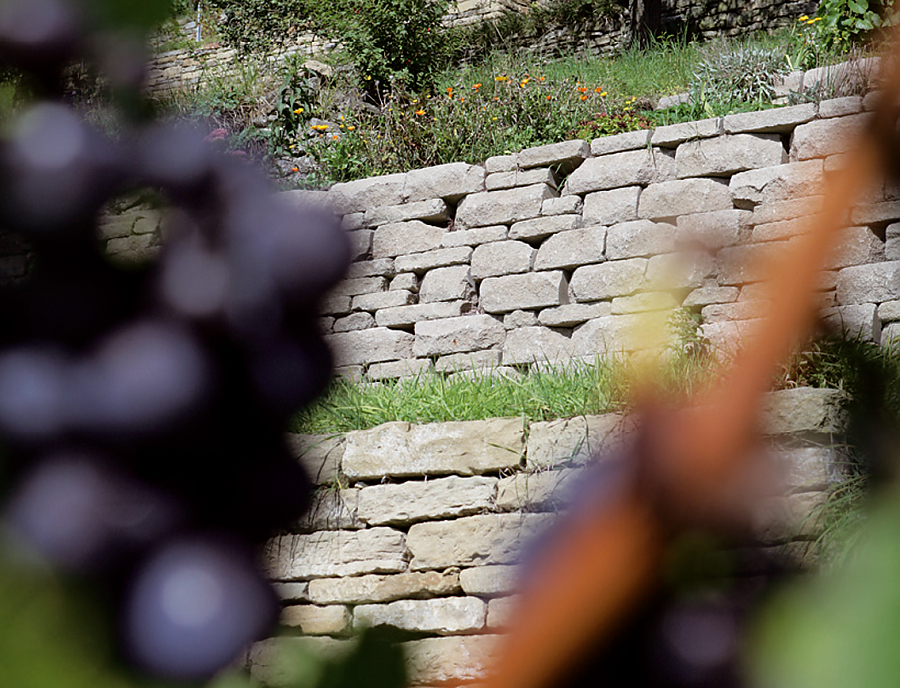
(422, 527)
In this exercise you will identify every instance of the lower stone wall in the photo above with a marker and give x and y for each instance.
(421, 528)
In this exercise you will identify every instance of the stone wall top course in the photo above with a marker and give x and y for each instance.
(629, 168)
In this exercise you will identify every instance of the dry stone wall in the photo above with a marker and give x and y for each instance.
(422, 528)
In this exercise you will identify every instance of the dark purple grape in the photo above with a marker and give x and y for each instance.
(193, 606)
(33, 394)
(174, 157)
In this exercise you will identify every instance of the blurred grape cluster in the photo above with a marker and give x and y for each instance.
(142, 408)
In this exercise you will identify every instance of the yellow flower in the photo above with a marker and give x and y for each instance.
(298, 111)
(342, 118)
(420, 112)
(493, 119)
(319, 127)
(341, 125)
(803, 18)
(350, 127)
(501, 78)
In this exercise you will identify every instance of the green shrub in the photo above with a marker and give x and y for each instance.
(848, 22)
(254, 25)
(728, 76)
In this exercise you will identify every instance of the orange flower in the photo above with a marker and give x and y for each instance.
(335, 137)
(450, 92)
(549, 98)
(350, 127)
(295, 169)
(582, 89)
(420, 112)
(476, 86)
(583, 97)
(599, 89)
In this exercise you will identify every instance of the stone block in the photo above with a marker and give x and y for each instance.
(352, 221)
(610, 207)
(502, 207)
(359, 285)
(472, 540)
(420, 263)
(458, 447)
(777, 120)
(872, 213)
(629, 168)
(565, 156)
(362, 194)
(840, 107)
(889, 311)
(315, 620)
(668, 200)
(452, 283)
(405, 317)
(500, 163)
(750, 263)
(433, 212)
(355, 321)
(869, 283)
(391, 370)
(405, 282)
(382, 299)
(402, 238)
(564, 205)
(519, 319)
(336, 553)
(500, 612)
(639, 238)
(441, 616)
(539, 491)
(892, 241)
(856, 320)
(644, 302)
(266, 658)
(711, 293)
(541, 227)
(805, 469)
(320, 455)
(573, 314)
(779, 211)
(629, 140)
(474, 237)
(741, 310)
(615, 334)
(671, 135)
(804, 410)
(572, 441)
(502, 258)
(890, 334)
(780, 519)
(777, 183)
(413, 501)
(823, 137)
(672, 100)
(373, 345)
(531, 344)
(604, 281)
(724, 155)
(531, 290)
(572, 248)
(449, 660)
(489, 581)
(293, 591)
(382, 267)
(775, 231)
(713, 230)
(856, 246)
(472, 360)
(373, 588)
(450, 182)
(514, 178)
(458, 335)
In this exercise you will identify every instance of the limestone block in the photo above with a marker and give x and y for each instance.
(890, 334)
(500, 163)
(805, 469)
(392, 370)
(750, 263)
(449, 182)
(438, 661)
(382, 267)
(373, 588)
(134, 248)
(892, 241)
(266, 658)
(402, 238)
(382, 299)
(876, 212)
(474, 237)
(502, 207)
(519, 319)
(682, 270)
(621, 169)
(407, 316)
(501, 258)
(313, 620)
(458, 335)
(359, 285)
(571, 441)
(538, 491)
(840, 107)
(422, 262)
(856, 246)
(488, 581)
(777, 183)
(823, 137)
(644, 302)
(414, 501)
(564, 205)
(541, 227)
(452, 283)
(442, 616)
(362, 194)
(777, 120)
(630, 140)
(472, 360)
(869, 283)
(500, 611)
(715, 229)
(355, 321)
(741, 310)
(604, 281)
(610, 207)
(724, 155)
(352, 221)
(331, 509)
(433, 211)
(671, 135)
(531, 290)
(639, 238)
(804, 409)
(710, 293)
(855, 320)
(573, 314)
(668, 200)
(889, 311)
(622, 333)
(472, 540)
(780, 519)
(573, 248)
(292, 592)
(373, 345)
(530, 344)
(565, 156)
(320, 455)
(458, 447)
(336, 553)
(405, 282)
(514, 178)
